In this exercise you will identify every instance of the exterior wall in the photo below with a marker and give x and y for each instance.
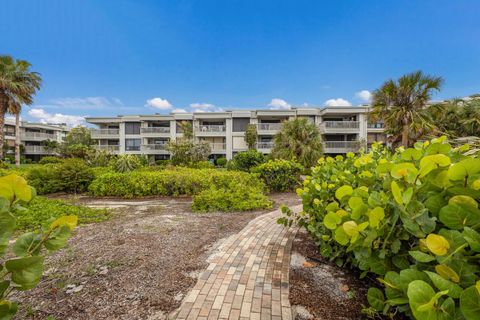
(343, 129)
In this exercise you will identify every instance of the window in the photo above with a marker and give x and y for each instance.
(240, 124)
(132, 144)
(132, 127)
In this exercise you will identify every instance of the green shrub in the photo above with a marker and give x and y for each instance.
(72, 175)
(280, 175)
(233, 197)
(246, 160)
(221, 162)
(162, 163)
(410, 217)
(201, 165)
(47, 160)
(22, 257)
(40, 212)
(170, 182)
(126, 163)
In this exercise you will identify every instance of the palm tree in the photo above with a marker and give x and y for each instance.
(18, 85)
(403, 105)
(300, 140)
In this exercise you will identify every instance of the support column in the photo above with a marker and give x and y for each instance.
(229, 138)
(121, 135)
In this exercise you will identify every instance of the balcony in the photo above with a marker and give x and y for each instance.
(218, 146)
(104, 133)
(341, 146)
(268, 128)
(339, 126)
(37, 136)
(155, 131)
(210, 130)
(107, 148)
(265, 145)
(376, 127)
(37, 150)
(154, 148)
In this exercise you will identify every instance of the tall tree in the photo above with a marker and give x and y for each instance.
(300, 140)
(18, 85)
(403, 105)
(251, 136)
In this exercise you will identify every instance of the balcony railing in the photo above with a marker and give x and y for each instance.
(36, 150)
(37, 136)
(377, 125)
(155, 130)
(154, 146)
(105, 132)
(210, 128)
(341, 124)
(264, 145)
(132, 148)
(344, 145)
(218, 146)
(108, 148)
(269, 126)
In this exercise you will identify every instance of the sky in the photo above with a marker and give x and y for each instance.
(120, 57)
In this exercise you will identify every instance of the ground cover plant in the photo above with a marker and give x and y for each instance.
(409, 217)
(21, 267)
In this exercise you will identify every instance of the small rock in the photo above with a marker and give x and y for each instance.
(308, 264)
(300, 312)
(344, 288)
(103, 270)
(73, 289)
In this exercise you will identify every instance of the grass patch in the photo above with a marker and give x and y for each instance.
(41, 211)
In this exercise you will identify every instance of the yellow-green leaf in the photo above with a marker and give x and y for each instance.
(437, 244)
(69, 221)
(447, 273)
(397, 194)
(343, 191)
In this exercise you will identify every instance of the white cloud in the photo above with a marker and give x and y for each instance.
(46, 117)
(179, 111)
(339, 102)
(279, 104)
(159, 103)
(88, 103)
(364, 95)
(204, 107)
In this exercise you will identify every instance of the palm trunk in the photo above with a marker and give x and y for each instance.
(3, 111)
(17, 139)
(405, 133)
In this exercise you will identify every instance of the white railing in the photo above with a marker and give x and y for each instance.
(210, 128)
(36, 149)
(105, 132)
(218, 146)
(154, 146)
(37, 136)
(269, 126)
(264, 145)
(155, 130)
(377, 125)
(109, 148)
(347, 145)
(341, 124)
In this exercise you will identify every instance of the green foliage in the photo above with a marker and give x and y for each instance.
(77, 143)
(201, 165)
(22, 262)
(251, 136)
(72, 175)
(298, 140)
(170, 182)
(458, 117)
(221, 162)
(162, 163)
(187, 152)
(411, 217)
(246, 160)
(234, 196)
(126, 163)
(40, 212)
(47, 160)
(279, 174)
(99, 158)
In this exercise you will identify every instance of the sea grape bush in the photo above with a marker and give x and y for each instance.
(280, 174)
(411, 217)
(21, 266)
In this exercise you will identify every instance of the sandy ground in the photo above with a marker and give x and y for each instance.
(137, 265)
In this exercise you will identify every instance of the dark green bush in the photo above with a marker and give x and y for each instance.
(47, 160)
(232, 197)
(279, 174)
(201, 165)
(45, 178)
(170, 182)
(246, 160)
(162, 163)
(221, 162)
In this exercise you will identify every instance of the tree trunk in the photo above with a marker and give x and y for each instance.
(17, 139)
(405, 132)
(3, 111)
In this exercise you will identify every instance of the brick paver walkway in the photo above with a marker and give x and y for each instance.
(248, 277)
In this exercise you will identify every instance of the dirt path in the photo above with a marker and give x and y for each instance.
(138, 265)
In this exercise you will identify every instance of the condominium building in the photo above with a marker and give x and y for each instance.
(33, 137)
(343, 129)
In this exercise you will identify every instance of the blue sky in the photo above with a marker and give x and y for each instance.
(109, 57)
